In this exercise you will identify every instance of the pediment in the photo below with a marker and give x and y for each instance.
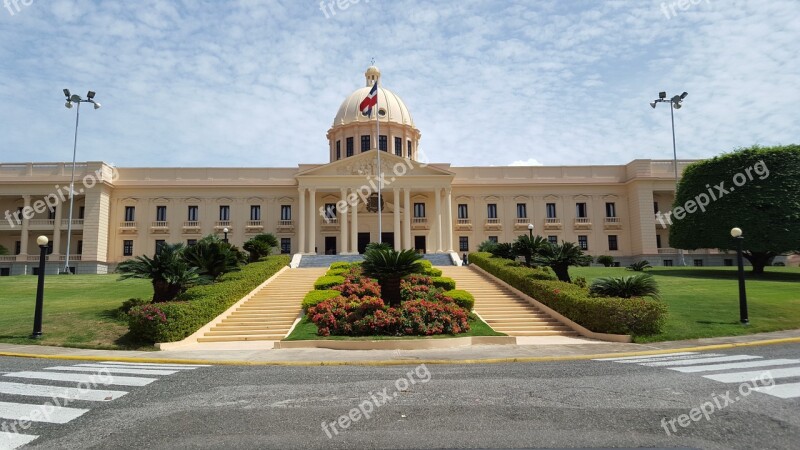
(365, 164)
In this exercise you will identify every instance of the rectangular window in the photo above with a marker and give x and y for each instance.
(350, 146)
(127, 248)
(522, 211)
(398, 146)
(655, 208)
(338, 150)
(580, 210)
(286, 212)
(286, 246)
(491, 210)
(51, 214)
(698, 263)
(130, 213)
(408, 147)
(224, 212)
(330, 210)
(80, 248)
(81, 212)
(365, 143)
(658, 241)
(17, 247)
(161, 213)
(463, 243)
(255, 212)
(383, 142)
(612, 242)
(463, 212)
(583, 242)
(50, 247)
(191, 242)
(493, 239)
(551, 210)
(611, 209)
(191, 213)
(552, 239)
(667, 263)
(159, 243)
(419, 210)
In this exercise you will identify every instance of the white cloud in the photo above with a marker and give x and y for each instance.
(527, 162)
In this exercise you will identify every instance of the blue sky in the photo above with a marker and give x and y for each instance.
(257, 83)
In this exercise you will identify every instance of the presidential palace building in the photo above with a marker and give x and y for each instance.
(333, 208)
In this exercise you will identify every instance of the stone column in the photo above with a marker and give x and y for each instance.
(354, 226)
(397, 244)
(437, 230)
(343, 223)
(23, 239)
(448, 216)
(301, 221)
(407, 219)
(312, 221)
(57, 232)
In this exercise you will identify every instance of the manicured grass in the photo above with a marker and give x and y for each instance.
(704, 302)
(79, 310)
(306, 330)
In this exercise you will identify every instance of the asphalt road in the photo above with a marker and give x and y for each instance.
(589, 404)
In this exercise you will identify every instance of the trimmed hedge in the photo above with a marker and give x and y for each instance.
(200, 304)
(446, 283)
(328, 281)
(342, 265)
(462, 298)
(313, 298)
(636, 316)
(337, 271)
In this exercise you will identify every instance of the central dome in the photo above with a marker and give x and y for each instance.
(390, 107)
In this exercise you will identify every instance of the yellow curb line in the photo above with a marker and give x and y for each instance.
(400, 362)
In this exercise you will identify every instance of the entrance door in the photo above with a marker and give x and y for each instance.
(330, 245)
(363, 241)
(419, 244)
(388, 238)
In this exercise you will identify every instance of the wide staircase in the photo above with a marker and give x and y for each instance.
(308, 261)
(502, 309)
(270, 313)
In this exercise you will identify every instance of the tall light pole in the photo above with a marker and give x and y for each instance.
(225, 231)
(736, 233)
(674, 103)
(37, 316)
(530, 230)
(70, 100)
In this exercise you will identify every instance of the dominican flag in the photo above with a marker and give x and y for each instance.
(370, 101)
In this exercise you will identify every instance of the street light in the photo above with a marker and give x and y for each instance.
(37, 317)
(225, 239)
(70, 100)
(530, 230)
(674, 103)
(737, 234)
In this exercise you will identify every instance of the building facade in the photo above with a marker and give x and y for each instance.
(334, 208)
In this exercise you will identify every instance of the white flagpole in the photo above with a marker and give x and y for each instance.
(380, 169)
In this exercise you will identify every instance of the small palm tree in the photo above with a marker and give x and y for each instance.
(639, 285)
(389, 266)
(526, 247)
(503, 250)
(213, 257)
(169, 272)
(377, 246)
(487, 246)
(559, 257)
(639, 266)
(260, 246)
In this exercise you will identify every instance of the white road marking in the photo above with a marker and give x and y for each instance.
(788, 390)
(689, 362)
(642, 357)
(737, 365)
(171, 366)
(84, 378)
(10, 441)
(670, 358)
(741, 377)
(105, 366)
(113, 370)
(36, 390)
(39, 413)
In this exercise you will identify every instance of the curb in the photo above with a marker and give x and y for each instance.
(401, 362)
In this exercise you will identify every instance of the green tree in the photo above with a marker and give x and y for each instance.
(389, 267)
(487, 246)
(3, 250)
(503, 250)
(213, 257)
(606, 260)
(560, 256)
(756, 189)
(260, 246)
(168, 271)
(526, 247)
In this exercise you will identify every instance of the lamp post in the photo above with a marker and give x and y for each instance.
(737, 234)
(37, 317)
(530, 230)
(225, 239)
(674, 103)
(70, 100)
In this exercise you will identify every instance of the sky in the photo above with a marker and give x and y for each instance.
(201, 83)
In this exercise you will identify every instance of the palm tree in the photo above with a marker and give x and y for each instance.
(260, 246)
(503, 250)
(639, 285)
(526, 247)
(213, 257)
(389, 266)
(3, 250)
(560, 257)
(169, 272)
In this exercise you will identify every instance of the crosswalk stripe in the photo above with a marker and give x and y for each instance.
(670, 358)
(11, 441)
(39, 413)
(787, 390)
(641, 357)
(172, 366)
(36, 390)
(113, 370)
(84, 378)
(104, 366)
(737, 365)
(690, 362)
(741, 377)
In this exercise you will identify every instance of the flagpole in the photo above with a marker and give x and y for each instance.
(380, 168)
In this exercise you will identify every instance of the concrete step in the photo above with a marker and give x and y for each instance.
(264, 337)
(213, 333)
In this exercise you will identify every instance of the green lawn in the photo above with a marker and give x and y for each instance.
(306, 330)
(78, 310)
(704, 302)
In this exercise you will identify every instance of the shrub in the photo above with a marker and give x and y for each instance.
(432, 272)
(605, 260)
(338, 271)
(640, 285)
(637, 316)
(128, 305)
(487, 246)
(389, 267)
(145, 321)
(445, 283)
(462, 298)
(580, 282)
(503, 250)
(260, 245)
(313, 298)
(328, 282)
(341, 265)
(639, 266)
(359, 288)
